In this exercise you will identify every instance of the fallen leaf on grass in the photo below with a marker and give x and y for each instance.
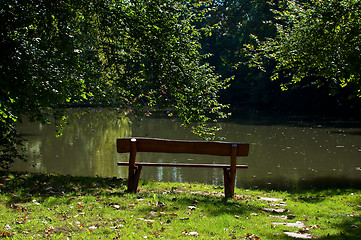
(304, 230)
(47, 230)
(251, 236)
(4, 234)
(185, 218)
(160, 204)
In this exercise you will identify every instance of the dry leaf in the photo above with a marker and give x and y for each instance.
(4, 234)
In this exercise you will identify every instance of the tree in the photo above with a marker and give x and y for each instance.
(234, 22)
(317, 43)
(129, 54)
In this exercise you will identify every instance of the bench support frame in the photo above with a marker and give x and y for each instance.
(134, 170)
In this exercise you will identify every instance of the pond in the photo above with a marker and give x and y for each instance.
(285, 152)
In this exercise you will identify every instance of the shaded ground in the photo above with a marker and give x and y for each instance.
(58, 207)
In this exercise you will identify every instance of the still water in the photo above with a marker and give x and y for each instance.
(285, 152)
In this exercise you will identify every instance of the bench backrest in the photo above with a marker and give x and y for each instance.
(180, 146)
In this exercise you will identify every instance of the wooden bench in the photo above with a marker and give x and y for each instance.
(134, 145)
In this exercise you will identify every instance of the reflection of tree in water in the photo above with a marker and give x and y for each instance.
(281, 155)
(87, 146)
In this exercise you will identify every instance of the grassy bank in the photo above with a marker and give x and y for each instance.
(60, 207)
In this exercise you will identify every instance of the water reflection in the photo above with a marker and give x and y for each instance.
(86, 147)
(284, 153)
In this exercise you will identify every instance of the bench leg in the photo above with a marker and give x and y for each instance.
(133, 180)
(228, 189)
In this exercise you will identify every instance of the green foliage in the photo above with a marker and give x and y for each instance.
(127, 54)
(233, 22)
(10, 140)
(317, 43)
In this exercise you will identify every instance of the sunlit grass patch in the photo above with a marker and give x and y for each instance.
(59, 207)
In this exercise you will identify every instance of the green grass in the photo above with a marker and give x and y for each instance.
(39, 206)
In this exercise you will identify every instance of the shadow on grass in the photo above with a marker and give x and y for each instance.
(183, 198)
(23, 186)
(348, 229)
(317, 183)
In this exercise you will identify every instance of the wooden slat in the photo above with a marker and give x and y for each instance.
(180, 165)
(178, 146)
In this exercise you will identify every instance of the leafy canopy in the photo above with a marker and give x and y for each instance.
(130, 54)
(317, 42)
